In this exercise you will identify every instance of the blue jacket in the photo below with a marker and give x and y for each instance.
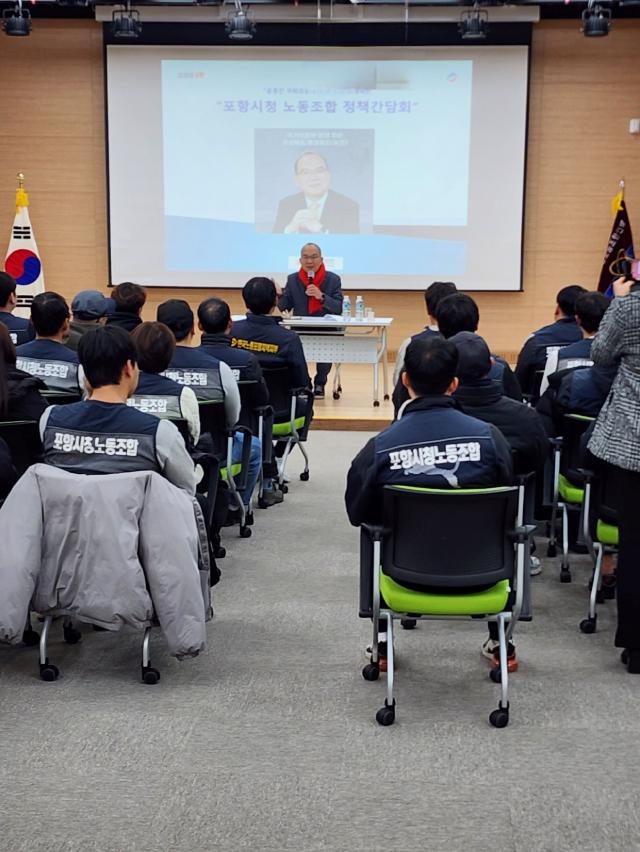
(433, 445)
(20, 329)
(295, 297)
(533, 355)
(272, 344)
(582, 390)
(54, 363)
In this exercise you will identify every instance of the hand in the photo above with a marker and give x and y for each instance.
(314, 291)
(279, 290)
(304, 221)
(621, 287)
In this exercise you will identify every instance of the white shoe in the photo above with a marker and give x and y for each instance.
(535, 566)
(489, 647)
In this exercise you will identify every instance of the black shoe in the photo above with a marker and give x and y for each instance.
(632, 658)
(271, 496)
(318, 392)
(233, 517)
(608, 587)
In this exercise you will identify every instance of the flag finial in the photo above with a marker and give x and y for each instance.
(22, 199)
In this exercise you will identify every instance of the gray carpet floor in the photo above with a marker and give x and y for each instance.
(269, 742)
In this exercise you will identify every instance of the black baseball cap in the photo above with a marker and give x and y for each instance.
(474, 358)
(177, 315)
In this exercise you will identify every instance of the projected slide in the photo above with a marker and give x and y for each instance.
(368, 153)
(404, 165)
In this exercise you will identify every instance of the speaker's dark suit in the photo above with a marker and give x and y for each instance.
(340, 214)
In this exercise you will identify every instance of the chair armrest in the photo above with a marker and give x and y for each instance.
(585, 474)
(523, 478)
(374, 531)
(522, 534)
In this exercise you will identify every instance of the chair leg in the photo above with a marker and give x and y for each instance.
(48, 671)
(588, 624)
(283, 464)
(500, 718)
(304, 476)
(387, 715)
(149, 675)
(565, 570)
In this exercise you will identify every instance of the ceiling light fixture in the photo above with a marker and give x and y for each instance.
(125, 22)
(16, 21)
(596, 20)
(240, 25)
(474, 23)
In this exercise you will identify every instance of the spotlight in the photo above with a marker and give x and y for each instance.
(596, 20)
(240, 26)
(474, 24)
(125, 23)
(16, 21)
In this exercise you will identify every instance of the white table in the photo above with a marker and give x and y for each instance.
(340, 341)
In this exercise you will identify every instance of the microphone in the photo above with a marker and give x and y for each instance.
(309, 279)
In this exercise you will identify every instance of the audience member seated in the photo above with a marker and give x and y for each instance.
(47, 357)
(459, 312)
(432, 445)
(8, 476)
(261, 333)
(590, 308)
(20, 329)
(88, 308)
(155, 393)
(103, 434)
(561, 332)
(20, 397)
(433, 295)
(129, 300)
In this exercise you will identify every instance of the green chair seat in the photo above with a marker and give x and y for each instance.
(607, 534)
(568, 492)
(401, 599)
(235, 470)
(281, 430)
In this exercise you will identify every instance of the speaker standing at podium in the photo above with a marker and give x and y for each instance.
(313, 292)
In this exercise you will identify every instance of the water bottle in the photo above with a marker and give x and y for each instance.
(346, 308)
(359, 308)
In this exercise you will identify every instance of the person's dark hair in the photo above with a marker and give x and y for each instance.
(7, 287)
(566, 299)
(155, 346)
(214, 315)
(435, 293)
(103, 352)
(456, 313)
(49, 310)
(7, 356)
(259, 295)
(590, 308)
(129, 298)
(430, 365)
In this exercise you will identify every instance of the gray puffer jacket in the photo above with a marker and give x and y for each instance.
(616, 435)
(109, 550)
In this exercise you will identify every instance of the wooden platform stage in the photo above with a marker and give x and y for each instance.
(354, 411)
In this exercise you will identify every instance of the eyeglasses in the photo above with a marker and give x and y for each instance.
(320, 170)
(309, 256)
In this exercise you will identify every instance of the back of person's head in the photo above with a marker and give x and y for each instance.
(129, 298)
(435, 293)
(259, 295)
(474, 357)
(566, 299)
(456, 313)
(49, 311)
(155, 346)
(177, 315)
(214, 315)
(7, 357)
(104, 352)
(590, 308)
(430, 365)
(7, 287)
(89, 305)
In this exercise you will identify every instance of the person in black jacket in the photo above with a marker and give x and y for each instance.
(20, 329)
(8, 475)
(129, 300)
(563, 331)
(455, 313)
(20, 397)
(433, 444)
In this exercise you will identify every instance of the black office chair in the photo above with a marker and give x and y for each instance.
(60, 397)
(258, 418)
(292, 414)
(23, 439)
(470, 569)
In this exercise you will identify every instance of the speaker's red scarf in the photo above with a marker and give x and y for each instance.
(315, 305)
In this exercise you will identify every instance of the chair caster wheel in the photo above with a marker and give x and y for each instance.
(408, 623)
(150, 675)
(30, 637)
(371, 671)
(588, 625)
(304, 476)
(499, 718)
(248, 519)
(220, 552)
(336, 395)
(262, 503)
(386, 397)
(552, 550)
(565, 574)
(245, 532)
(386, 715)
(284, 488)
(496, 675)
(71, 634)
(376, 404)
(49, 672)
